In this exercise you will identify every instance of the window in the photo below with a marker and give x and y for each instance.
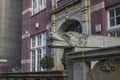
(114, 17)
(38, 59)
(39, 40)
(114, 21)
(38, 5)
(34, 6)
(33, 60)
(38, 50)
(115, 34)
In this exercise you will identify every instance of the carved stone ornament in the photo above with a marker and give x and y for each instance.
(105, 70)
(67, 39)
(107, 66)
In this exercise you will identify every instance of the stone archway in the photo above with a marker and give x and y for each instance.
(67, 32)
(67, 26)
(70, 25)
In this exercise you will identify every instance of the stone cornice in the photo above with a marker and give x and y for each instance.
(43, 74)
(97, 54)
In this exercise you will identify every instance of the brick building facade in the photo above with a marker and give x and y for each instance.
(35, 25)
(106, 14)
(91, 17)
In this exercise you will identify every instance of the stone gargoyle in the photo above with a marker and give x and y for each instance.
(67, 39)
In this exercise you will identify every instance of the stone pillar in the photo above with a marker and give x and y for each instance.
(80, 70)
(69, 67)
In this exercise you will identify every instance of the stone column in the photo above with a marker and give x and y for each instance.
(69, 67)
(80, 70)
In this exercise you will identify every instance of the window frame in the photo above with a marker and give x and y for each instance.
(114, 34)
(42, 52)
(43, 6)
(114, 17)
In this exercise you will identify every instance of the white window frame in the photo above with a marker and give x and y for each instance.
(33, 8)
(32, 61)
(42, 48)
(115, 34)
(108, 18)
(43, 6)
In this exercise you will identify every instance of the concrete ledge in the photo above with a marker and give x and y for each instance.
(97, 54)
(62, 75)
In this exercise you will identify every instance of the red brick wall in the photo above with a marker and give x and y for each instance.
(99, 17)
(109, 3)
(93, 2)
(28, 24)
(96, 18)
(26, 4)
(5, 69)
(41, 19)
(25, 41)
(25, 48)
(25, 68)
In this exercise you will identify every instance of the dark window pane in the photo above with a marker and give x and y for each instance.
(117, 11)
(112, 22)
(112, 13)
(112, 34)
(118, 21)
(118, 34)
(34, 6)
(40, 5)
(74, 26)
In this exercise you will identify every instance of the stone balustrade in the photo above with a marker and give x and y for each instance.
(44, 75)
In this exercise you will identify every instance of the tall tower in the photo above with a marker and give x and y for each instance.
(10, 33)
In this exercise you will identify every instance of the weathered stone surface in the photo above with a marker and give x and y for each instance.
(67, 39)
(105, 70)
(80, 70)
(74, 39)
(10, 32)
(45, 75)
(75, 12)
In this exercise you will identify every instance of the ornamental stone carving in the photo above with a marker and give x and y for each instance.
(67, 39)
(77, 11)
(70, 11)
(107, 66)
(105, 70)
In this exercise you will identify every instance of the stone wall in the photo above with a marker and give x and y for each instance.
(76, 10)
